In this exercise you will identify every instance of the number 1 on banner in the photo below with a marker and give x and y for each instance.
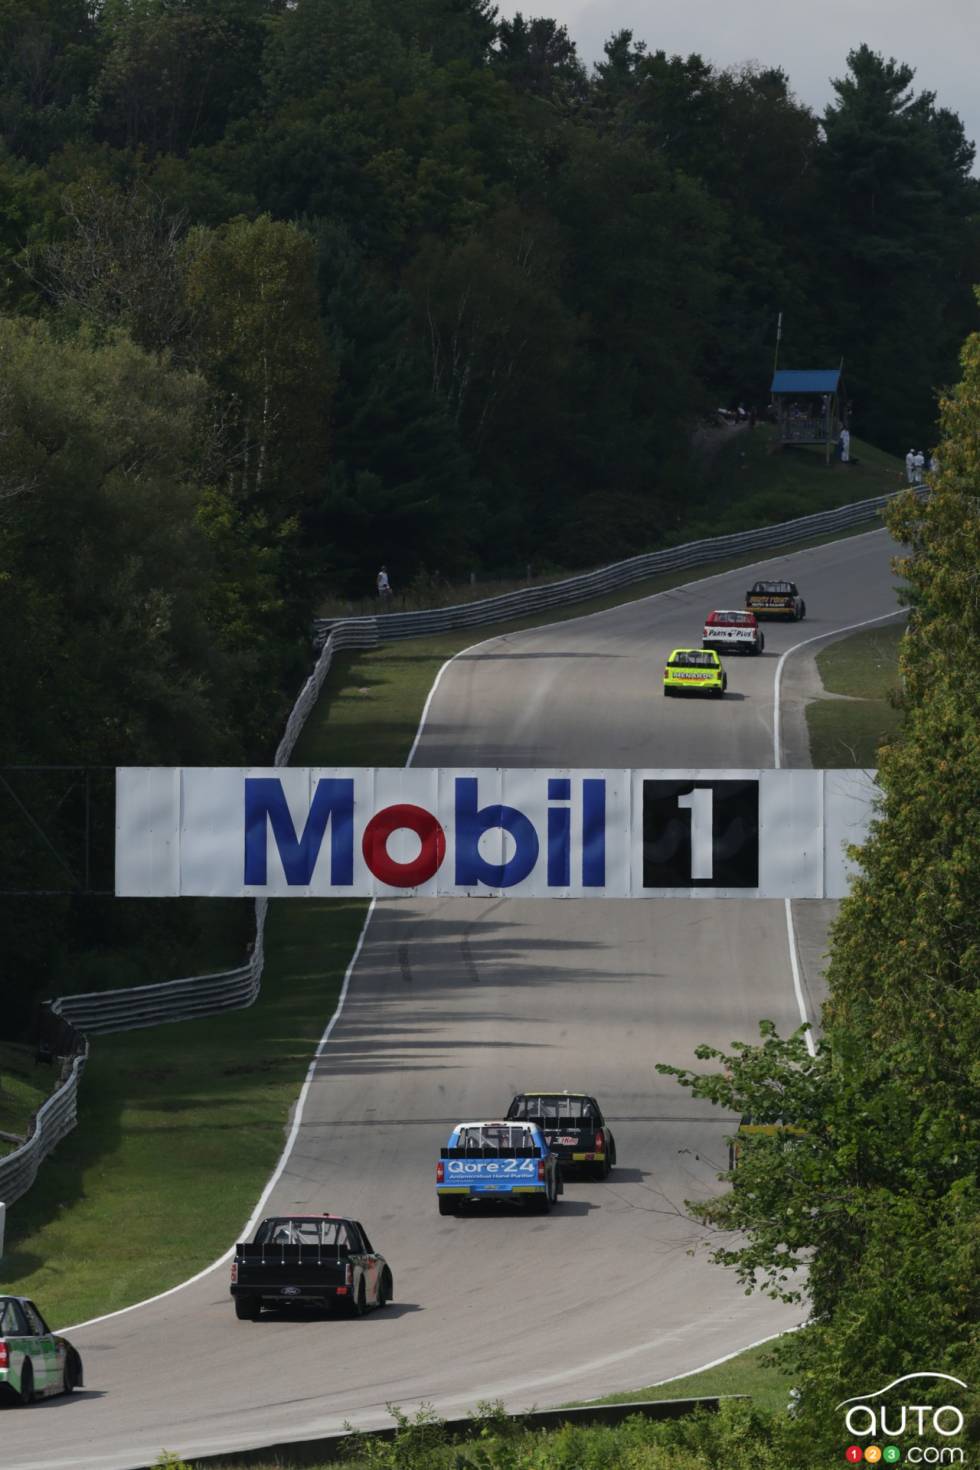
(699, 803)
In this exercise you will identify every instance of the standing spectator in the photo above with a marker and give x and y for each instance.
(918, 465)
(909, 466)
(933, 464)
(384, 586)
(845, 446)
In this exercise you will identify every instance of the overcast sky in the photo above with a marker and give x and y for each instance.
(809, 39)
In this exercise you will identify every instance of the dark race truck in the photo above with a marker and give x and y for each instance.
(323, 1261)
(574, 1127)
(777, 599)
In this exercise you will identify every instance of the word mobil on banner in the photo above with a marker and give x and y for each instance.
(308, 833)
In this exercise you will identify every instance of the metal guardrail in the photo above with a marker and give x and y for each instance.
(330, 1447)
(368, 632)
(100, 1012)
(53, 1119)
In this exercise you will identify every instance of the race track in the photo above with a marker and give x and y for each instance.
(453, 1006)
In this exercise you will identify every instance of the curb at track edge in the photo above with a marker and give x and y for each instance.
(317, 1055)
(794, 955)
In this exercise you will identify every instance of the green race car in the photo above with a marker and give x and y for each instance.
(34, 1361)
(695, 671)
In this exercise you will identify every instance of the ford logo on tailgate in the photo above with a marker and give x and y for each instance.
(289, 1291)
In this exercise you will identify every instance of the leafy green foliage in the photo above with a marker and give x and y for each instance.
(901, 219)
(866, 1174)
(138, 619)
(339, 282)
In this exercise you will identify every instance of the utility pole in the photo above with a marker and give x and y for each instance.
(779, 338)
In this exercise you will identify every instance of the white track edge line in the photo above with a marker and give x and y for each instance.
(717, 1362)
(794, 956)
(683, 586)
(283, 1158)
(301, 1101)
(310, 1071)
(794, 964)
(897, 612)
(423, 717)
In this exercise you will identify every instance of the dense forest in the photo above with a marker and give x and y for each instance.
(291, 289)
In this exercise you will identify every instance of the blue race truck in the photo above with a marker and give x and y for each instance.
(495, 1163)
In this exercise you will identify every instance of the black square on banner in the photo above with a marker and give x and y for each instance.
(704, 828)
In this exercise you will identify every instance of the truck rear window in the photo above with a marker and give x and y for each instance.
(693, 660)
(327, 1234)
(548, 1109)
(492, 1139)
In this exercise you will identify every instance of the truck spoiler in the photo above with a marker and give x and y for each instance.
(275, 1253)
(487, 1151)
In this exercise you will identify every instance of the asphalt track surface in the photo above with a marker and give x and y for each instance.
(453, 1006)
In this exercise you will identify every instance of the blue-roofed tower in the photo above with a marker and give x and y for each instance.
(809, 406)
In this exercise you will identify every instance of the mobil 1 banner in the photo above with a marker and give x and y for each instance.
(308, 833)
(748, 834)
(700, 833)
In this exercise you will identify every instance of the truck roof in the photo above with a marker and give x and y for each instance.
(549, 1092)
(291, 1215)
(490, 1123)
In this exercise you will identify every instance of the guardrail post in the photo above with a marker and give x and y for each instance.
(62, 1023)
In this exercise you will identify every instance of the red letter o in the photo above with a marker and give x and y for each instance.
(427, 829)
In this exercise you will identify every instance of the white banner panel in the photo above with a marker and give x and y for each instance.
(298, 832)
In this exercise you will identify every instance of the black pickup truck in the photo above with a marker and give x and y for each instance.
(574, 1127)
(322, 1261)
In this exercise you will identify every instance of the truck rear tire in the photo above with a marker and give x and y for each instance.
(247, 1308)
(26, 1394)
(542, 1203)
(448, 1206)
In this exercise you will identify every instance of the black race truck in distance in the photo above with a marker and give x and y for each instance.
(777, 599)
(574, 1127)
(323, 1261)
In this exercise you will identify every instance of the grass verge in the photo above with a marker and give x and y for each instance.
(23, 1088)
(211, 936)
(864, 668)
(774, 484)
(753, 1372)
(180, 1126)
(374, 697)
(770, 484)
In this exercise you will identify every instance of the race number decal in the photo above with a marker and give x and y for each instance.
(700, 834)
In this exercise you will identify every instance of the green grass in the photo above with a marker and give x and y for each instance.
(23, 1087)
(774, 484)
(375, 696)
(770, 485)
(752, 1372)
(848, 732)
(212, 936)
(180, 1126)
(865, 665)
